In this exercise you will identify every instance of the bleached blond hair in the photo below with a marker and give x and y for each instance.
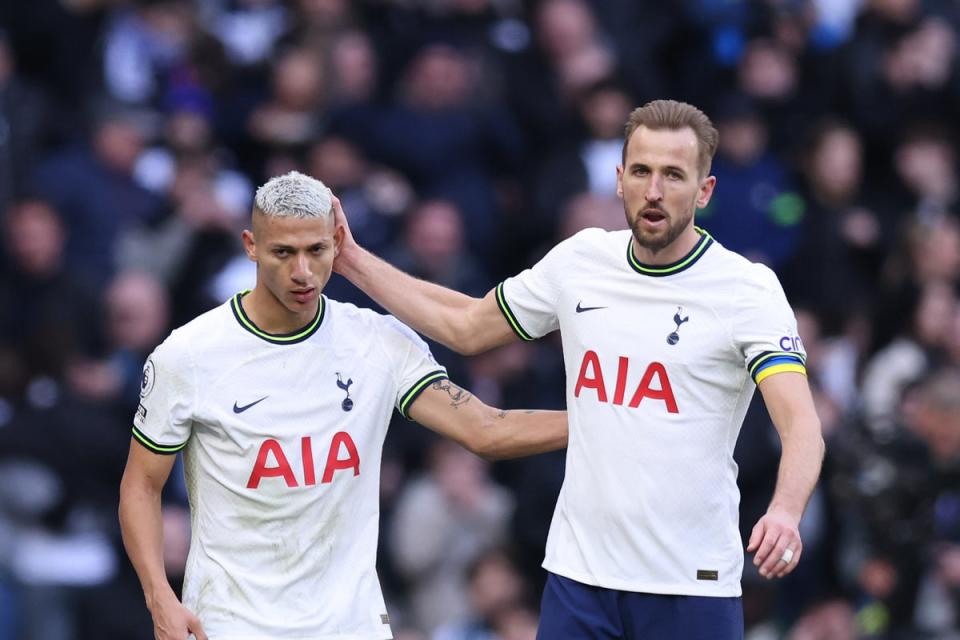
(294, 195)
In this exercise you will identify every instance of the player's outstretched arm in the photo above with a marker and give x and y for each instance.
(142, 528)
(490, 433)
(790, 404)
(465, 324)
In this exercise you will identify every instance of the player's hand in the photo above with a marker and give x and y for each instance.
(173, 621)
(349, 244)
(775, 533)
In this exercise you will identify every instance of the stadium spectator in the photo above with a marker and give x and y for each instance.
(94, 189)
(568, 33)
(758, 213)
(57, 308)
(543, 81)
(582, 163)
(587, 210)
(905, 360)
(316, 22)
(137, 317)
(23, 120)
(446, 144)
(925, 162)
(906, 533)
(466, 513)
(248, 29)
(188, 138)
(770, 75)
(354, 69)
(144, 44)
(901, 66)
(434, 247)
(495, 590)
(380, 194)
(844, 232)
(292, 116)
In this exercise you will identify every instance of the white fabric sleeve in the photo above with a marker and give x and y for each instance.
(163, 419)
(764, 327)
(415, 367)
(528, 300)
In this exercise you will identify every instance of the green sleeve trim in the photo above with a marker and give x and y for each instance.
(417, 389)
(511, 318)
(162, 449)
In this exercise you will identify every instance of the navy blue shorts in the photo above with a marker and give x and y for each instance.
(572, 610)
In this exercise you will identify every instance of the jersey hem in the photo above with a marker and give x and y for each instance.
(648, 587)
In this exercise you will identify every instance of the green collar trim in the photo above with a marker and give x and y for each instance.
(684, 263)
(277, 338)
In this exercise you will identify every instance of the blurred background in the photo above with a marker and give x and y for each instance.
(465, 137)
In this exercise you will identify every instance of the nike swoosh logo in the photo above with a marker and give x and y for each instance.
(237, 409)
(582, 309)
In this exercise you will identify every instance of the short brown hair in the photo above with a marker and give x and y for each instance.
(673, 115)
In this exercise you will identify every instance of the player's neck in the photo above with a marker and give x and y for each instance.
(673, 252)
(270, 316)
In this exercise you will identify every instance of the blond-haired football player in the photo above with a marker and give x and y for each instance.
(280, 400)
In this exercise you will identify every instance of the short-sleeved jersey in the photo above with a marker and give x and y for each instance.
(282, 438)
(661, 364)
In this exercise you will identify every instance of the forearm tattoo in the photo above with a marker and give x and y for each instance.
(458, 396)
(503, 413)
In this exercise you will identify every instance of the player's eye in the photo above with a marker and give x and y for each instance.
(317, 249)
(281, 253)
(640, 171)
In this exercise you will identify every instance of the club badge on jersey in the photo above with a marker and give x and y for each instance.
(347, 403)
(674, 336)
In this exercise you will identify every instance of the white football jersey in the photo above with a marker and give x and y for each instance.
(282, 438)
(660, 363)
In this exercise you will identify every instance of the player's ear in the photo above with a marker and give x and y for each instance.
(706, 191)
(619, 180)
(338, 234)
(249, 244)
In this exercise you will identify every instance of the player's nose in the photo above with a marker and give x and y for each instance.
(654, 193)
(301, 268)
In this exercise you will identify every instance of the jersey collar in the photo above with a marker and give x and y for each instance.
(684, 263)
(293, 337)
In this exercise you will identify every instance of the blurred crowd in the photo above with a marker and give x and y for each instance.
(464, 138)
